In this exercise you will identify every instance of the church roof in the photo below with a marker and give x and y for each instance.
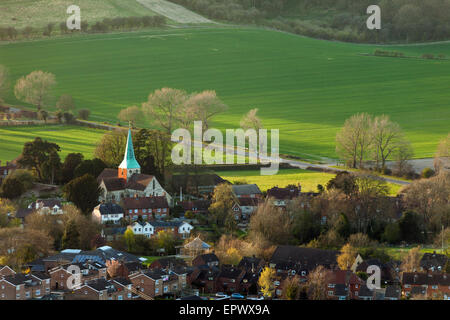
(129, 160)
(112, 182)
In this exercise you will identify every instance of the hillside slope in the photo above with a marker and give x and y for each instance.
(173, 11)
(38, 13)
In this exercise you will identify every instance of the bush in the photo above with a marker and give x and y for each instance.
(84, 114)
(12, 188)
(427, 173)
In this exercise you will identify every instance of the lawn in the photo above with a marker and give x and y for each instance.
(69, 138)
(306, 178)
(304, 87)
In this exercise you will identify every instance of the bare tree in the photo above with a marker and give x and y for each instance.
(205, 105)
(402, 156)
(411, 262)
(442, 157)
(35, 88)
(387, 139)
(66, 103)
(317, 283)
(132, 114)
(354, 141)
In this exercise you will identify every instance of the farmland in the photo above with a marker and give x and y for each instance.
(306, 178)
(304, 87)
(69, 138)
(38, 13)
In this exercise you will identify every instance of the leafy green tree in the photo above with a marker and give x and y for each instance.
(344, 181)
(35, 153)
(93, 167)
(71, 161)
(51, 169)
(410, 227)
(84, 192)
(71, 237)
(392, 233)
(130, 240)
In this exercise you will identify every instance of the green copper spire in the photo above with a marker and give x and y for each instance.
(129, 161)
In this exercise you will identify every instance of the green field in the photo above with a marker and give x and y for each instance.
(306, 178)
(69, 138)
(38, 13)
(304, 87)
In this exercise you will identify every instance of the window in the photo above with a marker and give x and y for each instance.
(18, 296)
(27, 294)
(166, 289)
(135, 210)
(144, 210)
(130, 211)
(330, 293)
(157, 290)
(119, 298)
(330, 285)
(129, 295)
(434, 287)
(38, 292)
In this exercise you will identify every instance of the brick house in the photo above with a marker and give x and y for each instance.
(102, 289)
(6, 271)
(229, 279)
(156, 282)
(89, 271)
(432, 285)
(196, 206)
(24, 286)
(343, 285)
(244, 207)
(204, 278)
(146, 207)
(281, 197)
(247, 191)
(208, 259)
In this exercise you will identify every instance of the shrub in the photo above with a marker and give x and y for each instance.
(427, 173)
(84, 114)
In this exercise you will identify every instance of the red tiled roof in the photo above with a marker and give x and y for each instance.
(145, 203)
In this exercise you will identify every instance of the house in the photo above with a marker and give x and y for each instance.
(128, 181)
(61, 275)
(24, 286)
(108, 213)
(251, 264)
(156, 282)
(229, 279)
(388, 274)
(199, 183)
(433, 285)
(23, 213)
(6, 271)
(244, 207)
(168, 263)
(301, 261)
(6, 169)
(208, 259)
(151, 228)
(343, 285)
(146, 207)
(102, 289)
(196, 206)
(393, 292)
(193, 248)
(47, 206)
(281, 197)
(433, 262)
(247, 191)
(365, 293)
(204, 278)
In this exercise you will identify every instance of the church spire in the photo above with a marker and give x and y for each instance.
(129, 165)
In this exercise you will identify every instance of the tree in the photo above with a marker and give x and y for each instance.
(205, 106)
(317, 283)
(392, 233)
(84, 192)
(270, 225)
(344, 181)
(43, 115)
(65, 103)
(3, 81)
(51, 169)
(411, 262)
(251, 121)
(442, 156)
(12, 188)
(266, 282)
(35, 153)
(93, 167)
(27, 31)
(410, 227)
(354, 140)
(71, 237)
(71, 161)
(48, 29)
(35, 88)
(129, 238)
(402, 155)
(48, 224)
(291, 288)
(111, 148)
(166, 240)
(83, 114)
(222, 202)
(132, 114)
(232, 256)
(347, 257)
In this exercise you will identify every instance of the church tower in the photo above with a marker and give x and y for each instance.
(129, 165)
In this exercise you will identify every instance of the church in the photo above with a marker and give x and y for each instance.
(128, 181)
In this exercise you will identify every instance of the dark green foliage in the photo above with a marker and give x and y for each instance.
(71, 161)
(392, 233)
(93, 167)
(411, 227)
(427, 173)
(83, 192)
(71, 237)
(12, 188)
(343, 181)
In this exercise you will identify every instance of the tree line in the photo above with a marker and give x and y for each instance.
(106, 25)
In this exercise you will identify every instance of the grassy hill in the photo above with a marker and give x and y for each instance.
(304, 87)
(38, 13)
(69, 138)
